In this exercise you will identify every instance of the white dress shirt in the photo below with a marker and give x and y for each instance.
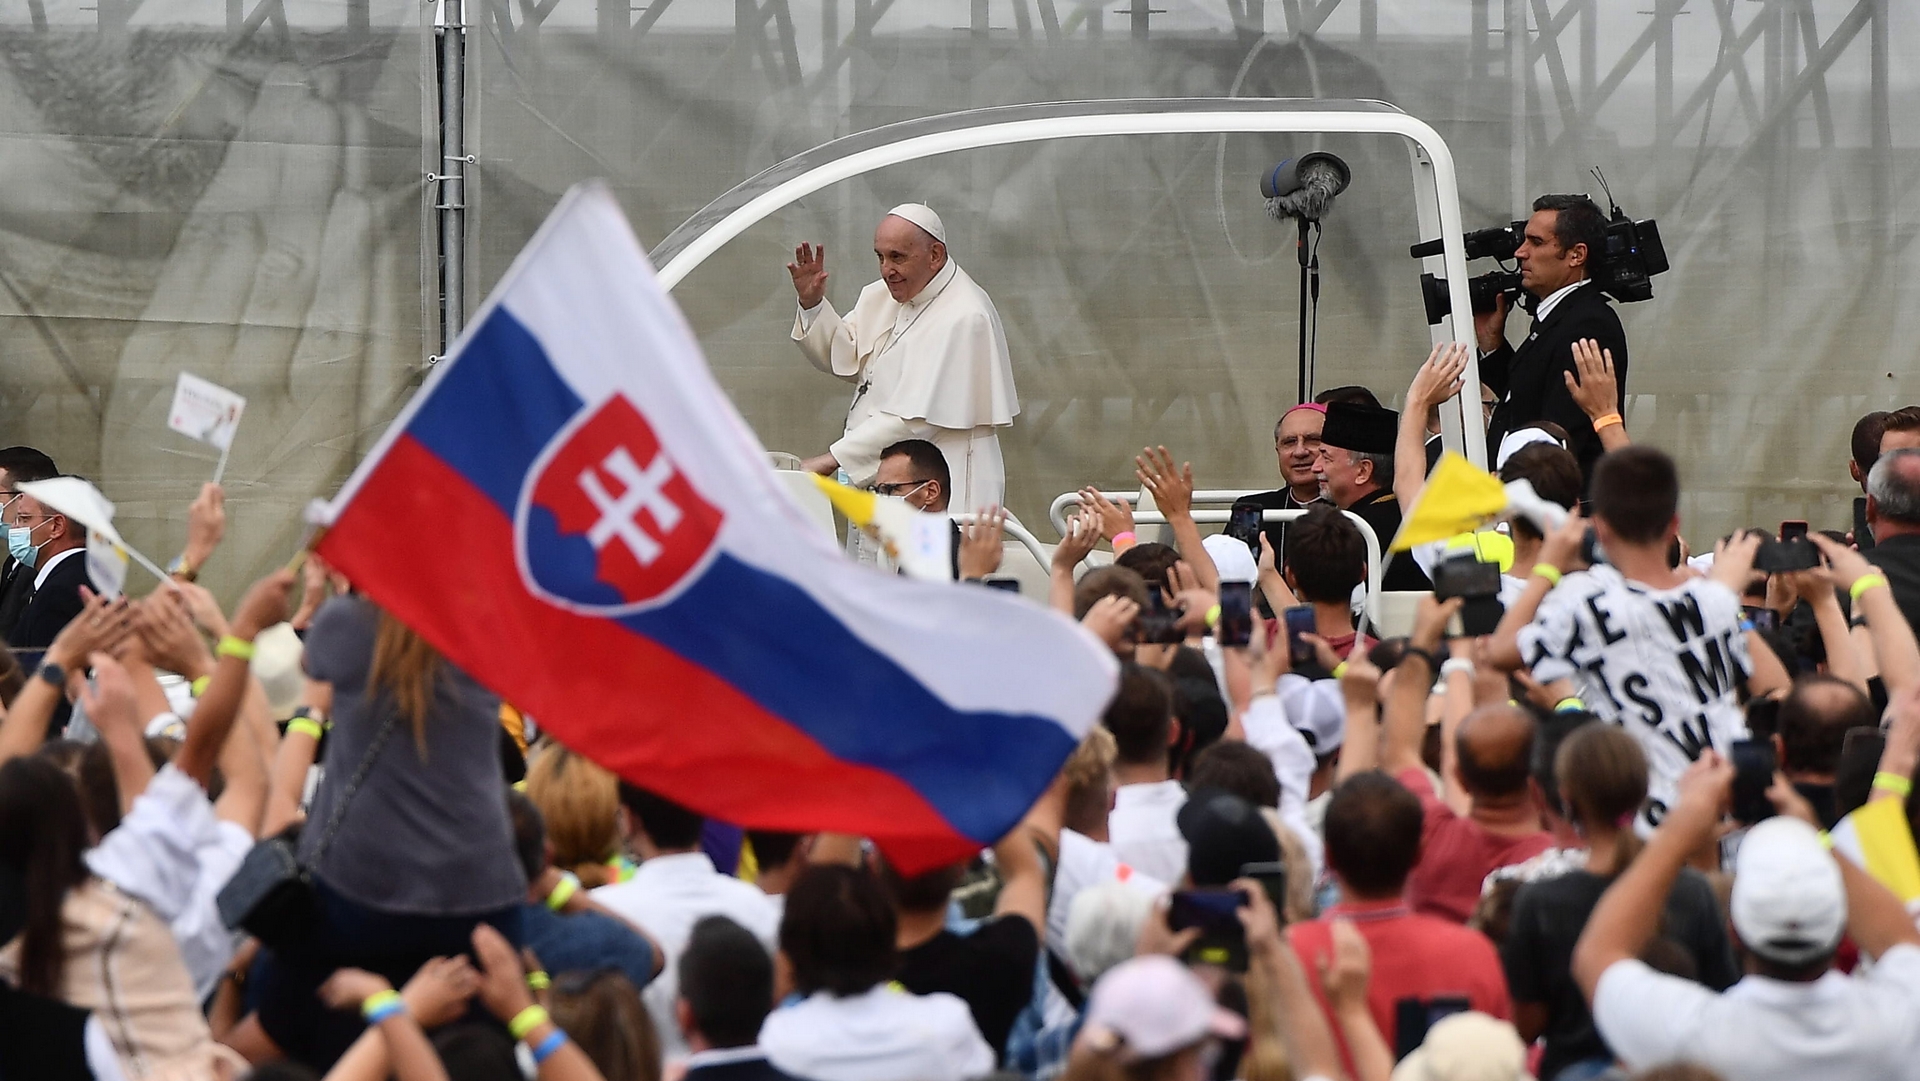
(1143, 830)
(665, 898)
(1545, 307)
(40, 578)
(884, 1034)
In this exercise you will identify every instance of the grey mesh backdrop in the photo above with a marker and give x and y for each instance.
(239, 190)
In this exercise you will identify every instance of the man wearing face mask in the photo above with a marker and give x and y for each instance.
(52, 548)
(17, 464)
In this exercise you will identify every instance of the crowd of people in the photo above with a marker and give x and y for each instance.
(1603, 819)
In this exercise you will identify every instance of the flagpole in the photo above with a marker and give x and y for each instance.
(220, 469)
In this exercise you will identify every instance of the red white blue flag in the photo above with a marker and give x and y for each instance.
(572, 511)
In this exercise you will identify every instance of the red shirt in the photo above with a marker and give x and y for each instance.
(1414, 956)
(1457, 854)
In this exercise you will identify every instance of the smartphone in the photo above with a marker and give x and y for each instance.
(1299, 622)
(1216, 912)
(1791, 531)
(1009, 585)
(1243, 525)
(1465, 576)
(1273, 880)
(1753, 769)
(1860, 751)
(1776, 556)
(1592, 552)
(1159, 625)
(1762, 617)
(1862, 532)
(1236, 614)
(1412, 1018)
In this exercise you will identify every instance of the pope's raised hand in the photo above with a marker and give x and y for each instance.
(809, 271)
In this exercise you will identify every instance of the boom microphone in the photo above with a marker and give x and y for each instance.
(1304, 187)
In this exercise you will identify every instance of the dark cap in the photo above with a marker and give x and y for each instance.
(1224, 833)
(1363, 429)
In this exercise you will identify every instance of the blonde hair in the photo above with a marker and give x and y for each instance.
(406, 669)
(1088, 774)
(581, 804)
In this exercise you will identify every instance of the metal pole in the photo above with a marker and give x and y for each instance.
(453, 183)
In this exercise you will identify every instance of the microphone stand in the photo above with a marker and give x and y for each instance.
(1309, 258)
(1300, 249)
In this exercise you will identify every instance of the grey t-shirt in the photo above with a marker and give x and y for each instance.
(423, 835)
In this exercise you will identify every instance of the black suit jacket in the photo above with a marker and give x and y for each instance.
(54, 603)
(1528, 379)
(16, 587)
(753, 1069)
(1899, 559)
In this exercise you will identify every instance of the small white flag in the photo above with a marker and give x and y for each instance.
(208, 412)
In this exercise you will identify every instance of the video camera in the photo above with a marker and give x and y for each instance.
(1631, 255)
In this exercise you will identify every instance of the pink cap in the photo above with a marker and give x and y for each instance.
(1155, 1006)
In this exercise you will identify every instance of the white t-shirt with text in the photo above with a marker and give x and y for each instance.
(1662, 663)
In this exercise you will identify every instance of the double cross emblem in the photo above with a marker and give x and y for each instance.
(642, 489)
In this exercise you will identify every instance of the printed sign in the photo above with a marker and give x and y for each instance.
(205, 411)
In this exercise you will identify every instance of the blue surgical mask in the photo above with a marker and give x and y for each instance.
(20, 545)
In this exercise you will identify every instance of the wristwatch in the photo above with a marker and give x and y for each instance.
(182, 569)
(53, 674)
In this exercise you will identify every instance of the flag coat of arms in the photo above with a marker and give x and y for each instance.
(573, 512)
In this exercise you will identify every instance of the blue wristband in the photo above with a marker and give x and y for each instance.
(385, 1010)
(554, 1041)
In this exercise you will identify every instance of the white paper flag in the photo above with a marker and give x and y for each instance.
(106, 565)
(206, 411)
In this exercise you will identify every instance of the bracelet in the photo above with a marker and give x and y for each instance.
(381, 1005)
(555, 1041)
(1340, 670)
(1213, 617)
(1124, 537)
(306, 725)
(538, 980)
(527, 1020)
(1570, 705)
(1548, 571)
(1826, 840)
(1433, 662)
(1452, 665)
(199, 686)
(234, 647)
(1607, 421)
(1864, 583)
(1893, 782)
(563, 890)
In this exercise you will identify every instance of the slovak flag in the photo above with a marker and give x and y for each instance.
(572, 511)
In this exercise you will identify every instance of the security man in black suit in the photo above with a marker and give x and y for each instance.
(56, 564)
(16, 580)
(1563, 238)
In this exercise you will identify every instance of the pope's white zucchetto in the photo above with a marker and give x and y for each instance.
(922, 215)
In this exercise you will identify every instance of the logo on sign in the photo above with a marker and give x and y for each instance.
(607, 522)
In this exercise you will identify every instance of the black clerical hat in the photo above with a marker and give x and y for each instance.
(1363, 429)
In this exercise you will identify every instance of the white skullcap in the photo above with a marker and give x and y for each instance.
(1514, 440)
(922, 215)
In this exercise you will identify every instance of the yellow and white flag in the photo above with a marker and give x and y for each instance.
(921, 544)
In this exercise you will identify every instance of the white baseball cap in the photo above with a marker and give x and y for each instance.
(1232, 558)
(1789, 904)
(1466, 1047)
(1154, 1006)
(1317, 708)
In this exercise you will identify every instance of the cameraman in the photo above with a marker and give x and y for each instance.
(1563, 238)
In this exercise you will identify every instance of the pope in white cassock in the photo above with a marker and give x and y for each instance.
(926, 351)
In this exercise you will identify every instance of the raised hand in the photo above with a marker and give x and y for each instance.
(439, 991)
(1111, 619)
(980, 543)
(101, 626)
(1596, 391)
(1439, 378)
(206, 524)
(172, 642)
(503, 982)
(809, 272)
(1171, 486)
(1344, 975)
(1115, 518)
(1083, 532)
(264, 605)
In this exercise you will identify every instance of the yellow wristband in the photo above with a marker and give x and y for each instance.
(1893, 782)
(199, 686)
(1340, 670)
(1864, 583)
(1826, 840)
(526, 1021)
(1213, 616)
(563, 891)
(234, 647)
(538, 980)
(306, 725)
(1570, 705)
(1607, 421)
(1548, 571)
